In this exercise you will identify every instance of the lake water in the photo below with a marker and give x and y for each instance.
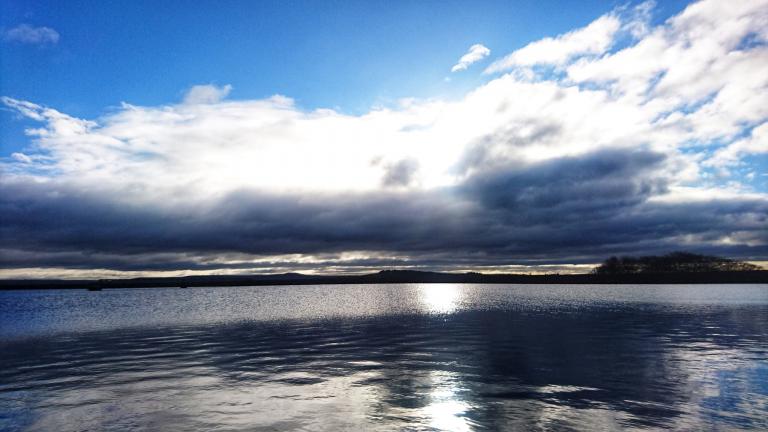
(386, 357)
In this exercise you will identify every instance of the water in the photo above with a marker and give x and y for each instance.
(386, 357)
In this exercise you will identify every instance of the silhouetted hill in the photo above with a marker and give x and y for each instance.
(399, 276)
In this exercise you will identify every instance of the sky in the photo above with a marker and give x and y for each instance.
(161, 138)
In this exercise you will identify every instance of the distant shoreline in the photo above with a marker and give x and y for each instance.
(390, 276)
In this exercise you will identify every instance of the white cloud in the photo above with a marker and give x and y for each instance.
(475, 53)
(25, 33)
(21, 157)
(638, 19)
(590, 41)
(595, 38)
(25, 108)
(206, 94)
(270, 144)
(730, 155)
(673, 59)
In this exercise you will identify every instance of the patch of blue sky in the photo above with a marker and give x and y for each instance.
(751, 41)
(753, 170)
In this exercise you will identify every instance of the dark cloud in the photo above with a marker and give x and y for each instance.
(492, 150)
(573, 209)
(400, 173)
(595, 184)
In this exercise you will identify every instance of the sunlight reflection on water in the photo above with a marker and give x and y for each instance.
(440, 298)
(446, 410)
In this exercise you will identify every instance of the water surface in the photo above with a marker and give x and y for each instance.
(386, 357)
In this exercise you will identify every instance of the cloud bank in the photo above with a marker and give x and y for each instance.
(613, 148)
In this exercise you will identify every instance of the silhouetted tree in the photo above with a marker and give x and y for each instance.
(675, 262)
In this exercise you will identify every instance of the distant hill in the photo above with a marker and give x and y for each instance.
(675, 262)
(399, 276)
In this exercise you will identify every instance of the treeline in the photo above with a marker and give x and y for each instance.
(675, 262)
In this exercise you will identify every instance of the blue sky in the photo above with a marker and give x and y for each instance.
(150, 138)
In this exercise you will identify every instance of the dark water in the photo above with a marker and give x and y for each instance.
(393, 357)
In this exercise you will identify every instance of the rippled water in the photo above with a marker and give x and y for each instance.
(386, 357)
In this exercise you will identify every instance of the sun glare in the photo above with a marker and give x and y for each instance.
(440, 298)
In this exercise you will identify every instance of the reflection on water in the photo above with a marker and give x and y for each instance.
(446, 409)
(417, 357)
(440, 299)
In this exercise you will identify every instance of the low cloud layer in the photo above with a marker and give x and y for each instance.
(579, 150)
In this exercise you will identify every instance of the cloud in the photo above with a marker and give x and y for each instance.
(692, 59)
(27, 34)
(637, 21)
(554, 189)
(533, 216)
(731, 155)
(594, 39)
(611, 155)
(590, 41)
(400, 173)
(475, 53)
(21, 157)
(206, 94)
